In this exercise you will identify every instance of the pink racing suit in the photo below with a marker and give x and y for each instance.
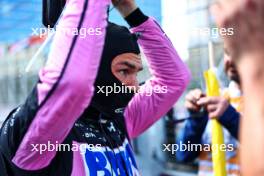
(52, 114)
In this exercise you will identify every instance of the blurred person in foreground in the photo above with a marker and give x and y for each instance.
(247, 50)
(91, 129)
(198, 129)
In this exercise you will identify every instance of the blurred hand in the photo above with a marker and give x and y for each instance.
(247, 47)
(215, 106)
(125, 7)
(246, 17)
(191, 100)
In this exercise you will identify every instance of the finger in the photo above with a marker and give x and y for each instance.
(223, 10)
(241, 21)
(197, 94)
(251, 5)
(211, 108)
(194, 95)
(207, 100)
(191, 106)
(190, 98)
(214, 114)
(203, 101)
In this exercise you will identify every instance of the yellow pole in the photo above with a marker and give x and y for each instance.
(213, 89)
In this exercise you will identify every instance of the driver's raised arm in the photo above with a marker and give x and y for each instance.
(168, 71)
(65, 86)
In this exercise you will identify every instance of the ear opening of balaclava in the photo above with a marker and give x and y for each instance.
(118, 41)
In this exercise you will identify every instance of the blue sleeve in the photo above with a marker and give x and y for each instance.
(230, 120)
(191, 134)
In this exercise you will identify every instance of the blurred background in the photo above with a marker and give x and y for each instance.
(188, 24)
